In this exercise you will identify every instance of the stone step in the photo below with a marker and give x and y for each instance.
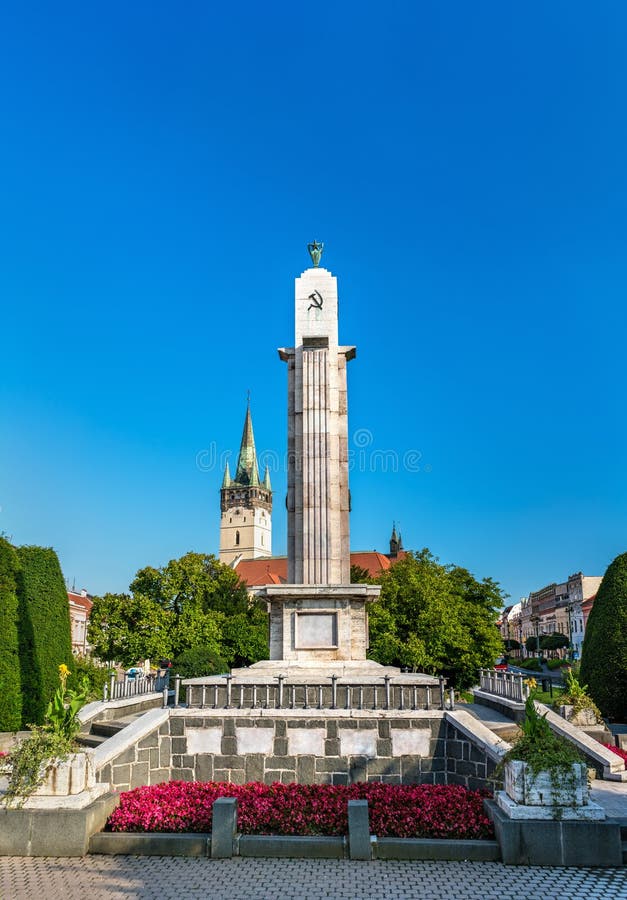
(107, 729)
(90, 740)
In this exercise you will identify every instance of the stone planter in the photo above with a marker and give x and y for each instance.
(542, 789)
(73, 775)
(586, 717)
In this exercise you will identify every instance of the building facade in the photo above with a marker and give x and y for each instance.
(80, 607)
(245, 505)
(557, 608)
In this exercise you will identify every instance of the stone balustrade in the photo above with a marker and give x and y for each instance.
(510, 685)
(399, 692)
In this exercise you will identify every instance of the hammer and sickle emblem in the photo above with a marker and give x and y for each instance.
(316, 301)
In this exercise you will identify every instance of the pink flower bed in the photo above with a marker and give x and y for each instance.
(617, 751)
(428, 811)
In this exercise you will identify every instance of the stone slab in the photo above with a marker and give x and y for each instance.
(306, 741)
(254, 740)
(590, 812)
(358, 830)
(358, 742)
(53, 832)
(411, 742)
(314, 847)
(535, 842)
(153, 844)
(426, 848)
(204, 740)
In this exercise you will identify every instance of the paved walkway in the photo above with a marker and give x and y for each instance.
(612, 795)
(166, 878)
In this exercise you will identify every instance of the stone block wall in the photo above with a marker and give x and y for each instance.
(145, 761)
(244, 745)
(467, 763)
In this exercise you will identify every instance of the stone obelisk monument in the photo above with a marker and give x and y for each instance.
(319, 619)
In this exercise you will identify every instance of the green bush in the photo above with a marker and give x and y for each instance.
(604, 651)
(533, 664)
(44, 629)
(96, 677)
(199, 661)
(10, 688)
(556, 663)
(555, 641)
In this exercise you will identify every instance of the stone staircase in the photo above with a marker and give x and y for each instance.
(101, 730)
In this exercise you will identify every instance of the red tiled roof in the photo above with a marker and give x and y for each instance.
(273, 569)
(79, 600)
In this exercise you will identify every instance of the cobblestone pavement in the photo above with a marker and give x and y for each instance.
(168, 878)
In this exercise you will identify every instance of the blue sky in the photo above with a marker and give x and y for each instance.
(162, 167)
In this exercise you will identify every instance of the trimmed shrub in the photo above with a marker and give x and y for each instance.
(44, 629)
(10, 689)
(604, 651)
(199, 661)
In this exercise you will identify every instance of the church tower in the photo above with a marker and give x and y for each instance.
(245, 505)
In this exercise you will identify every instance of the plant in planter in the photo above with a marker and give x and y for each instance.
(576, 705)
(37, 759)
(542, 768)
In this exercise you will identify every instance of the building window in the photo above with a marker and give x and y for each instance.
(237, 538)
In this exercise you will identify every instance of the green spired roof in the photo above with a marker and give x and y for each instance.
(226, 481)
(247, 472)
(266, 480)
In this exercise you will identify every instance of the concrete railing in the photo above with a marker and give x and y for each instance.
(133, 687)
(510, 685)
(333, 693)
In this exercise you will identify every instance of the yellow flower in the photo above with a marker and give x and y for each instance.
(531, 683)
(63, 674)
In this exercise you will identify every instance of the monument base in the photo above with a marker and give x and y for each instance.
(318, 622)
(314, 670)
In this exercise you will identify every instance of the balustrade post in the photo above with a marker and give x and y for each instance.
(442, 701)
(280, 679)
(333, 691)
(387, 691)
(229, 688)
(177, 690)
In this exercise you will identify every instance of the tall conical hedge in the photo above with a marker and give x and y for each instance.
(604, 651)
(44, 627)
(10, 689)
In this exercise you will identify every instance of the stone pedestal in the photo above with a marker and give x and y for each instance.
(323, 623)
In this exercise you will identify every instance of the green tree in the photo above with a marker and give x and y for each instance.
(199, 661)
(531, 644)
(195, 580)
(359, 575)
(437, 619)
(192, 602)
(555, 641)
(44, 629)
(129, 629)
(245, 636)
(10, 682)
(604, 651)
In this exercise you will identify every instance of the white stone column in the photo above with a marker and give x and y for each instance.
(318, 498)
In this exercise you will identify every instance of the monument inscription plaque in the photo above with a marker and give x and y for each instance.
(315, 630)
